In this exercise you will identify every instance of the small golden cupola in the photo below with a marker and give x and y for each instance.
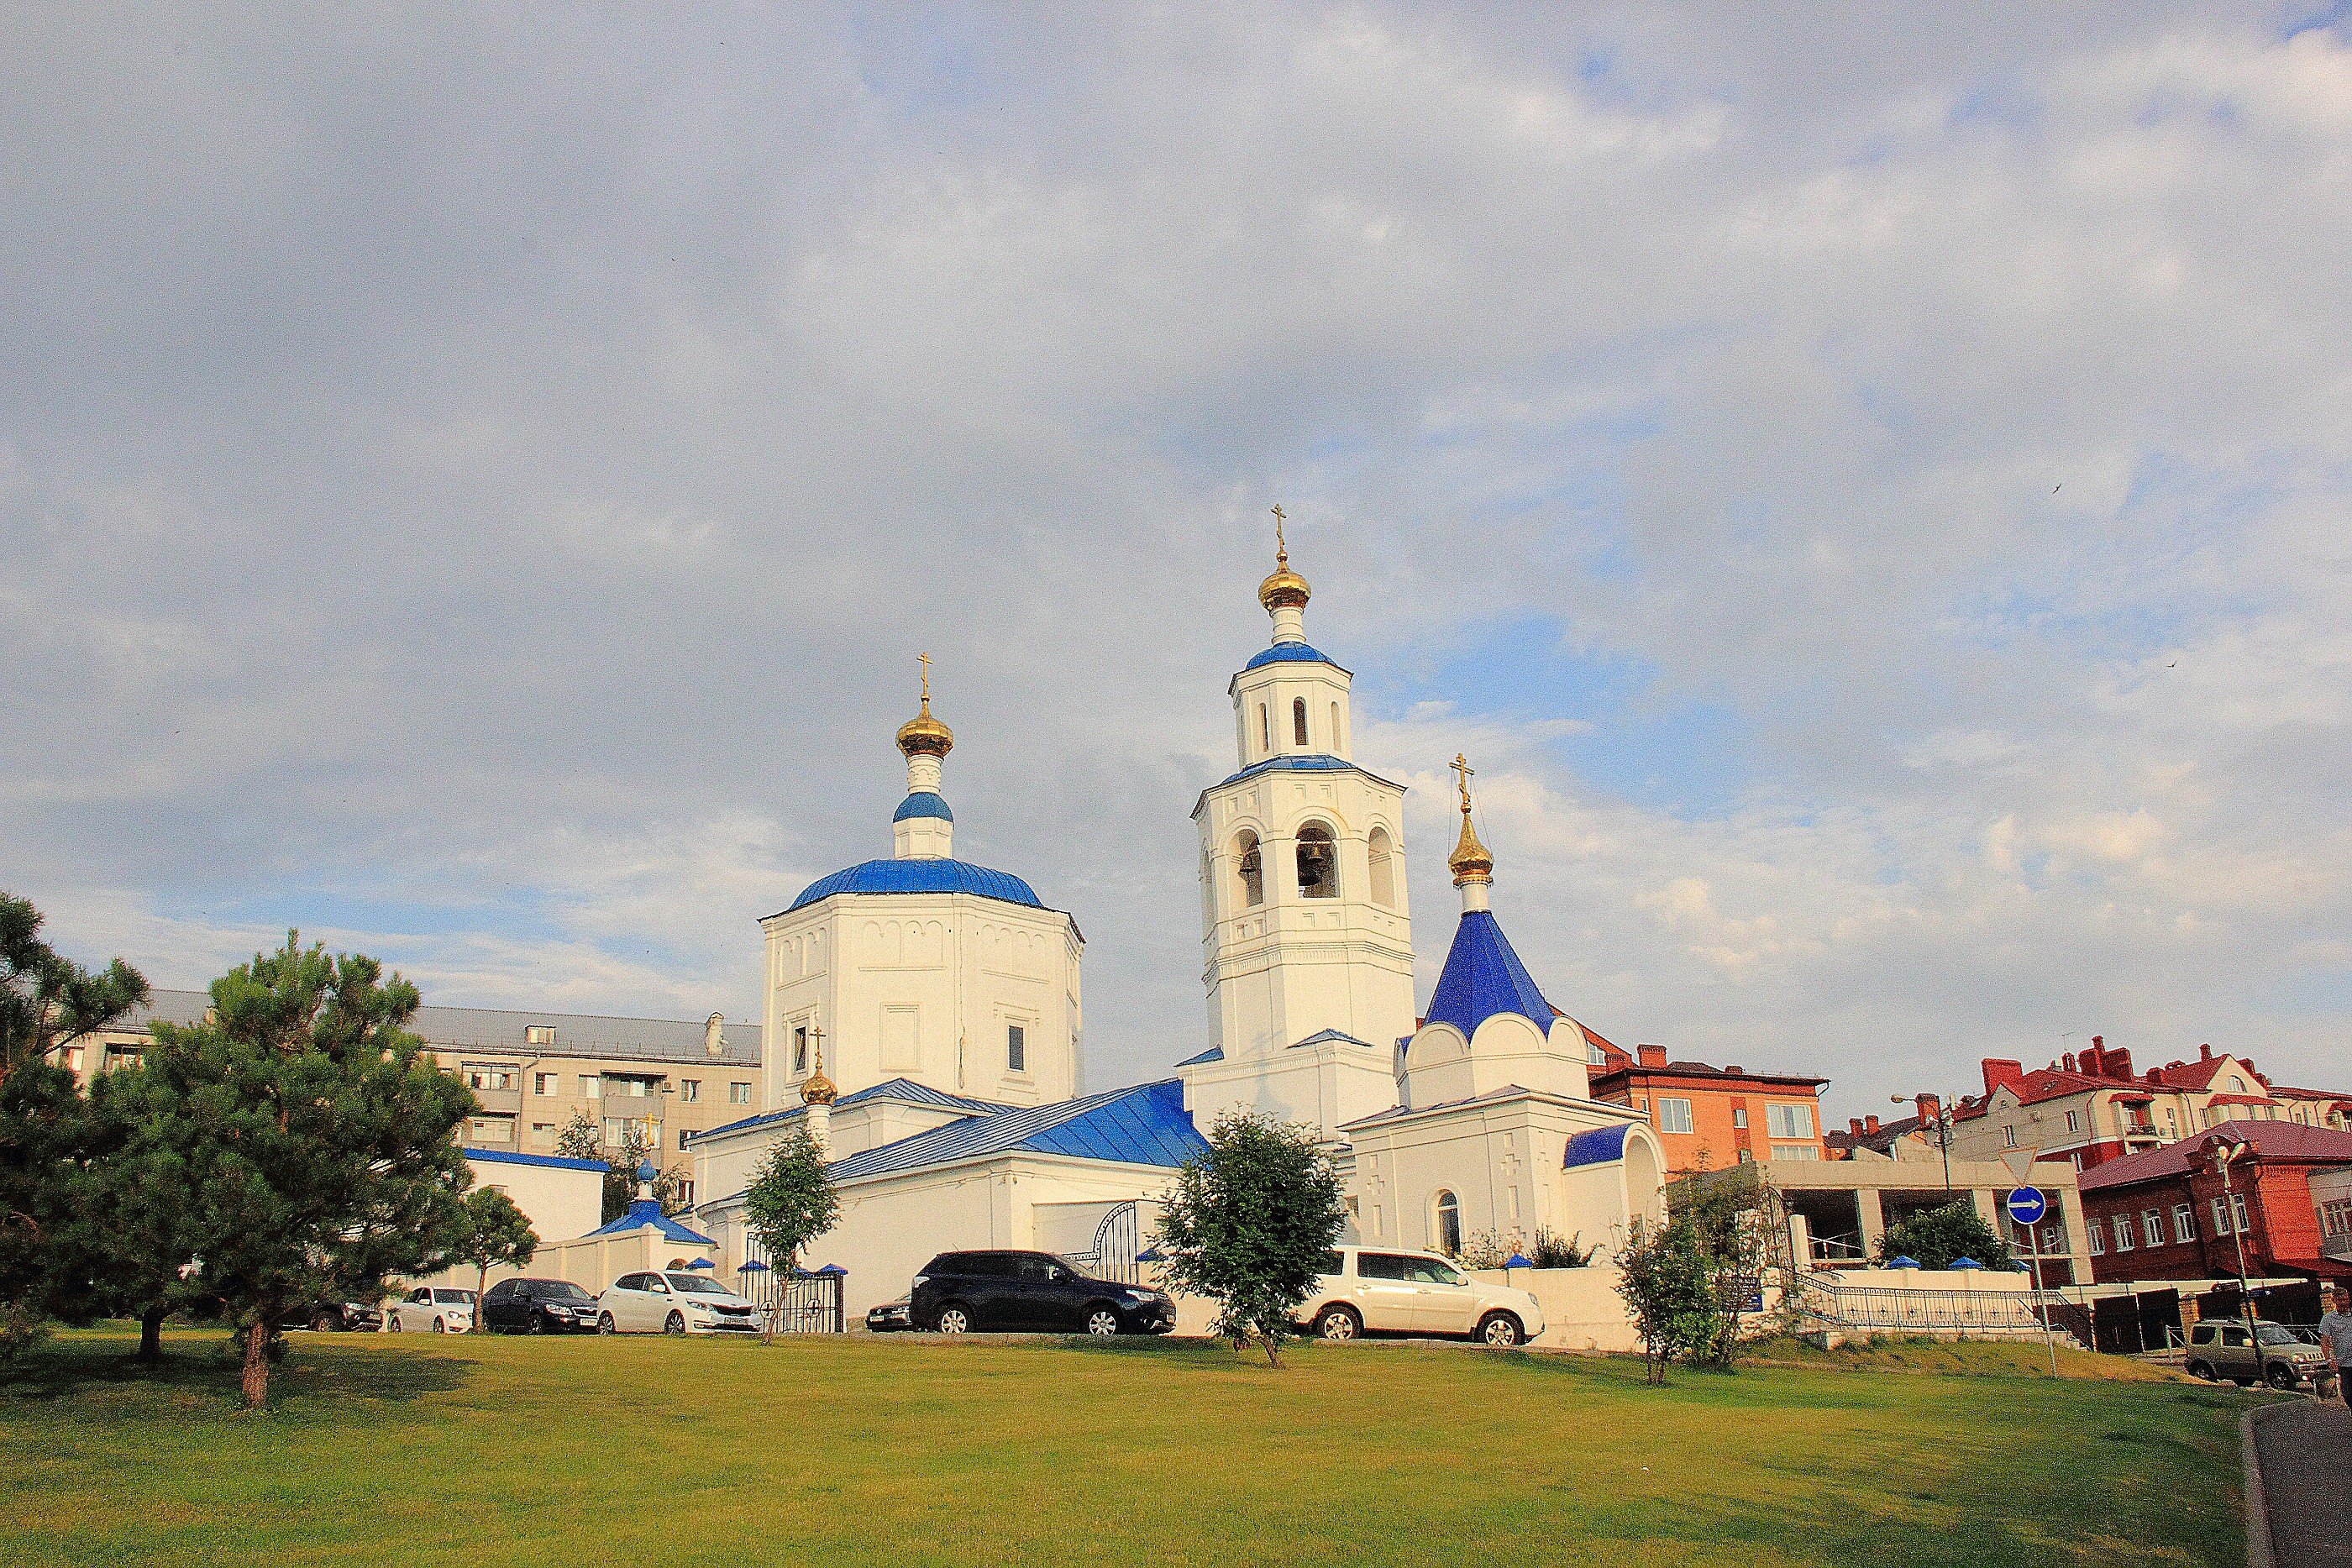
(923, 734)
(1286, 590)
(1471, 861)
(818, 1089)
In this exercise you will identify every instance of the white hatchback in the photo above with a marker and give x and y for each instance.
(430, 1308)
(1376, 1290)
(672, 1300)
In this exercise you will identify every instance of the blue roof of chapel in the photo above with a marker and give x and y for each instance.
(1143, 1126)
(905, 1091)
(647, 1211)
(923, 803)
(927, 875)
(1483, 976)
(1289, 653)
(1594, 1146)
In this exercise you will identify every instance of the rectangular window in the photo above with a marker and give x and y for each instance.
(2152, 1225)
(491, 1129)
(2184, 1223)
(1674, 1115)
(488, 1075)
(2098, 1239)
(538, 1034)
(1740, 1116)
(2074, 1122)
(1016, 1048)
(73, 1058)
(640, 1088)
(690, 1089)
(685, 1189)
(543, 1132)
(2336, 1218)
(2238, 1213)
(2221, 1217)
(1790, 1121)
(542, 1082)
(2123, 1233)
(800, 1047)
(1795, 1152)
(591, 1086)
(739, 1094)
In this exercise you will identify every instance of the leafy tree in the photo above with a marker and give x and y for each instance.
(791, 1201)
(490, 1233)
(1732, 1212)
(316, 1135)
(1668, 1284)
(1248, 1224)
(581, 1139)
(1934, 1237)
(45, 1002)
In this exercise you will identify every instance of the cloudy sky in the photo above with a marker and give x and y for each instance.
(1871, 500)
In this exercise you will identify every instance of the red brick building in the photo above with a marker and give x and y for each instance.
(1712, 1117)
(2161, 1214)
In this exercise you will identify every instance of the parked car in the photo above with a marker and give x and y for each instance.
(672, 1302)
(1375, 1289)
(957, 1292)
(2220, 1350)
(430, 1308)
(330, 1317)
(891, 1317)
(538, 1306)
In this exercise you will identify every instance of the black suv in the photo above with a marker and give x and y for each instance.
(957, 1292)
(538, 1306)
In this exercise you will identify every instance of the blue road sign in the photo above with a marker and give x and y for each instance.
(2027, 1205)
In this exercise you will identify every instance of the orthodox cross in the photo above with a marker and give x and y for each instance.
(816, 1048)
(1462, 767)
(1280, 549)
(925, 660)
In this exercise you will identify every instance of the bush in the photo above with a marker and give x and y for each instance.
(1669, 1286)
(1553, 1251)
(1936, 1238)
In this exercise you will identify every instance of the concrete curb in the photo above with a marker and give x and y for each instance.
(2259, 1549)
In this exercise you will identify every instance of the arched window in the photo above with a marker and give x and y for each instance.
(1299, 721)
(1318, 863)
(1253, 869)
(1448, 1225)
(1265, 730)
(1383, 858)
(1338, 741)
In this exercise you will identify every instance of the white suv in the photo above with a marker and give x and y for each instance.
(430, 1308)
(674, 1301)
(1379, 1290)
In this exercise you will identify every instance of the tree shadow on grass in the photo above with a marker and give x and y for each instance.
(102, 1370)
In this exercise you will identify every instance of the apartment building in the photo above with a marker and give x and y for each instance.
(533, 1071)
(1711, 1118)
(2166, 1214)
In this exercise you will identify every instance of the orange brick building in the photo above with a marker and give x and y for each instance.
(1712, 1117)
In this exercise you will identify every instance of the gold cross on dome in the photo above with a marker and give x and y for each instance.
(1281, 550)
(816, 1048)
(1461, 767)
(925, 660)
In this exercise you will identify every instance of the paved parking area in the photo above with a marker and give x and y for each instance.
(2305, 1453)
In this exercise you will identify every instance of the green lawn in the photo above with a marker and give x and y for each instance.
(653, 1451)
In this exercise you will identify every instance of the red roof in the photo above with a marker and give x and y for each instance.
(2240, 1100)
(2191, 1074)
(2271, 1141)
(2056, 1083)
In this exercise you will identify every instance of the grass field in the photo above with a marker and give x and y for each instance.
(503, 1452)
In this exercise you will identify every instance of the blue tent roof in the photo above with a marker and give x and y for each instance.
(647, 1211)
(1594, 1146)
(1483, 976)
(1288, 653)
(923, 803)
(1144, 1125)
(550, 1161)
(1214, 1053)
(905, 1090)
(933, 875)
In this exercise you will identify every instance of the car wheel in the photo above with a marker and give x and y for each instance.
(323, 1324)
(673, 1323)
(537, 1324)
(1102, 1322)
(2281, 1376)
(604, 1323)
(440, 1326)
(954, 1318)
(1500, 1330)
(2200, 1370)
(1339, 1322)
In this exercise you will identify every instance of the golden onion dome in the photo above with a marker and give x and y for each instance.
(1285, 587)
(924, 733)
(818, 1090)
(1470, 861)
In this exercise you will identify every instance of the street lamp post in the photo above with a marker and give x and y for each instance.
(1943, 1125)
(2222, 1152)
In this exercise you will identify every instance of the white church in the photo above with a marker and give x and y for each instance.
(922, 1017)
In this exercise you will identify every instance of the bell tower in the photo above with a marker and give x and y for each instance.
(1304, 932)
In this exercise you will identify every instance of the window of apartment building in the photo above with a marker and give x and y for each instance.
(638, 1087)
(1790, 1121)
(685, 1191)
(2098, 1234)
(543, 1132)
(618, 1130)
(591, 1086)
(490, 1129)
(1796, 1152)
(690, 1089)
(490, 1075)
(2074, 1120)
(73, 1058)
(1674, 1115)
(2221, 1217)
(739, 1094)
(1594, 1056)
(542, 1082)
(2184, 1223)
(538, 1034)
(2123, 1233)
(1016, 1048)
(2238, 1212)
(2009, 1137)
(2336, 1218)
(2152, 1225)
(1740, 1116)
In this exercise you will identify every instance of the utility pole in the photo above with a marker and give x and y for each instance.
(2223, 1151)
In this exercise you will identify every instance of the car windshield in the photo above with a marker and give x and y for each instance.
(2274, 1334)
(564, 1291)
(695, 1285)
(452, 1298)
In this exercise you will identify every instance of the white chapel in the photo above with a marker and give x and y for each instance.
(923, 1018)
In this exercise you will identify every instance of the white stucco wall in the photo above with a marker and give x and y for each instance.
(560, 1203)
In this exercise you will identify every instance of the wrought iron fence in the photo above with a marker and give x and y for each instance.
(1117, 1239)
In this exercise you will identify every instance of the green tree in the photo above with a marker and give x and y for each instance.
(1667, 1282)
(1249, 1223)
(46, 1002)
(1935, 1238)
(581, 1139)
(1731, 1211)
(491, 1233)
(790, 1203)
(318, 1138)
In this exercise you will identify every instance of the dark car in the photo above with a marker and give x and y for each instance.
(958, 1293)
(538, 1306)
(890, 1317)
(328, 1317)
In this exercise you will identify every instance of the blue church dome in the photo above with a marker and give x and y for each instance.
(931, 875)
(1287, 654)
(923, 803)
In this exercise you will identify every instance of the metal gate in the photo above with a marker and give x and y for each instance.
(1117, 1239)
(803, 1304)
